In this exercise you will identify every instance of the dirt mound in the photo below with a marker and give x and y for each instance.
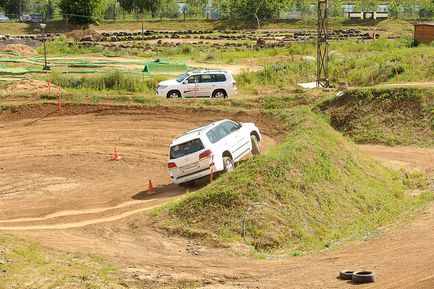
(20, 49)
(79, 34)
(29, 86)
(392, 116)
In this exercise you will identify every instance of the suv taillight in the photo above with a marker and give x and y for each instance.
(171, 166)
(234, 84)
(205, 154)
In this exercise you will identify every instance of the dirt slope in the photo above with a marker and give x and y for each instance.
(392, 116)
(51, 164)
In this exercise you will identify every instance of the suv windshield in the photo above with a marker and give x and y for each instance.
(183, 77)
(186, 148)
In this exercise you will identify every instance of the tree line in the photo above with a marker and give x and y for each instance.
(91, 11)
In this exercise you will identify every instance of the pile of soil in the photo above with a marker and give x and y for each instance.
(30, 87)
(79, 34)
(20, 49)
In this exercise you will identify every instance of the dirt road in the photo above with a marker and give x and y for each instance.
(401, 259)
(60, 187)
(411, 158)
(60, 169)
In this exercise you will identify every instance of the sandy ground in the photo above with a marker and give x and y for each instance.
(60, 187)
(65, 163)
(410, 158)
(417, 84)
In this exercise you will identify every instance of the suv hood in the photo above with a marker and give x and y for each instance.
(169, 82)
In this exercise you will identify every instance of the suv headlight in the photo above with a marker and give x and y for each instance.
(162, 87)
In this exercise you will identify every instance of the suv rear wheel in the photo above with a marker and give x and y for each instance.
(256, 149)
(220, 93)
(228, 164)
(173, 94)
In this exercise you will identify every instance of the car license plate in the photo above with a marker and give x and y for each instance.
(190, 166)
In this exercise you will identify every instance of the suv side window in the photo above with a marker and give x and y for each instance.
(217, 134)
(193, 79)
(230, 126)
(220, 77)
(206, 78)
(212, 137)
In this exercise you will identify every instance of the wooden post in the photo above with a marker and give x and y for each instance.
(48, 83)
(58, 98)
(212, 170)
(143, 31)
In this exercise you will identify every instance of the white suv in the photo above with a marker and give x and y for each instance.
(203, 83)
(217, 147)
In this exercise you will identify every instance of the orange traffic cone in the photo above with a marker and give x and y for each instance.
(151, 189)
(115, 155)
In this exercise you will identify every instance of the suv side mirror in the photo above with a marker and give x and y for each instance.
(240, 124)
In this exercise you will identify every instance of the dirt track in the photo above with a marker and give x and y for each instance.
(60, 169)
(410, 158)
(57, 173)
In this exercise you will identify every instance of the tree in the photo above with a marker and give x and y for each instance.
(426, 9)
(168, 8)
(140, 6)
(83, 11)
(255, 9)
(368, 6)
(14, 7)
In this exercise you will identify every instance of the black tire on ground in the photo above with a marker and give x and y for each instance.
(346, 275)
(173, 94)
(256, 149)
(219, 93)
(363, 277)
(228, 164)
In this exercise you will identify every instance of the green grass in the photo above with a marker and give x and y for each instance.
(356, 63)
(25, 264)
(311, 191)
(63, 46)
(118, 82)
(392, 116)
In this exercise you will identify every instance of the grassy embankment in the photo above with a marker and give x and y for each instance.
(24, 264)
(310, 192)
(388, 116)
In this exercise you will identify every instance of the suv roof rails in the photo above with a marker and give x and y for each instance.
(209, 70)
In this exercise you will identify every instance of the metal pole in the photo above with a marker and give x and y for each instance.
(322, 75)
(46, 67)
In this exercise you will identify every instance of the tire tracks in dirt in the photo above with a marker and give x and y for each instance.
(62, 219)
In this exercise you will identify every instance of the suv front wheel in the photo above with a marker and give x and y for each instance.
(173, 94)
(219, 94)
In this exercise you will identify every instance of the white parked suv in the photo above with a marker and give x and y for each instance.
(201, 83)
(217, 147)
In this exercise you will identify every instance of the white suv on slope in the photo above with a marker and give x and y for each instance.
(201, 83)
(217, 146)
